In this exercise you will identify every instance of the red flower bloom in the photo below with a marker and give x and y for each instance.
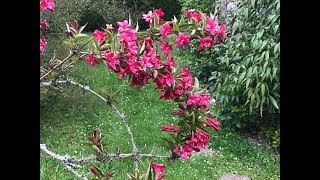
(163, 80)
(203, 139)
(43, 24)
(182, 40)
(140, 79)
(129, 35)
(193, 99)
(166, 48)
(47, 4)
(92, 60)
(148, 17)
(213, 122)
(112, 60)
(159, 13)
(193, 15)
(165, 30)
(169, 63)
(175, 129)
(159, 169)
(99, 36)
(123, 26)
(205, 42)
(43, 44)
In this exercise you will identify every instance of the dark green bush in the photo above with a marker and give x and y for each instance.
(244, 72)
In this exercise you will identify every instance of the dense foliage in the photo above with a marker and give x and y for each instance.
(97, 13)
(244, 72)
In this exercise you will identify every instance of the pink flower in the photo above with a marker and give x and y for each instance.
(166, 48)
(175, 149)
(43, 24)
(99, 36)
(165, 30)
(159, 13)
(175, 129)
(129, 35)
(47, 4)
(172, 93)
(203, 139)
(140, 79)
(148, 17)
(205, 42)
(109, 27)
(204, 100)
(186, 151)
(182, 40)
(133, 67)
(43, 44)
(123, 26)
(92, 60)
(112, 60)
(163, 80)
(192, 14)
(213, 122)
(214, 28)
(169, 63)
(159, 169)
(193, 99)
(222, 32)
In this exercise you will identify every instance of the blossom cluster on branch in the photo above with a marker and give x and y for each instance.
(146, 57)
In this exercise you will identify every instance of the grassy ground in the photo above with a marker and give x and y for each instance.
(69, 118)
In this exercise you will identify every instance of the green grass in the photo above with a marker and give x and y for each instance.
(67, 119)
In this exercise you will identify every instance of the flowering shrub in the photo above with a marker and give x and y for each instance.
(135, 55)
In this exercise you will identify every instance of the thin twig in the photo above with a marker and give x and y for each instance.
(55, 67)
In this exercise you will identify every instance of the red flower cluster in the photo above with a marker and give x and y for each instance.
(197, 142)
(159, 169)
(47, 5)
(148, 65)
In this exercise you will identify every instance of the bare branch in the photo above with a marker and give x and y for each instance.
(115, 109)
(67, 161)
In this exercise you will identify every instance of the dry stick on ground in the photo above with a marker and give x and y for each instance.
(136, 156)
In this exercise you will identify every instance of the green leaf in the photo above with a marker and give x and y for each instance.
(267, 55)
(156, 21)
(82, 27)
(196, 84)
(137, 27)
(252, 3)
(262, 89)
(80, 37)
(247, 82)
(273, 101)
(142, 47)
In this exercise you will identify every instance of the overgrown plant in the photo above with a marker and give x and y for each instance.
(244, 72)
(143, 58)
